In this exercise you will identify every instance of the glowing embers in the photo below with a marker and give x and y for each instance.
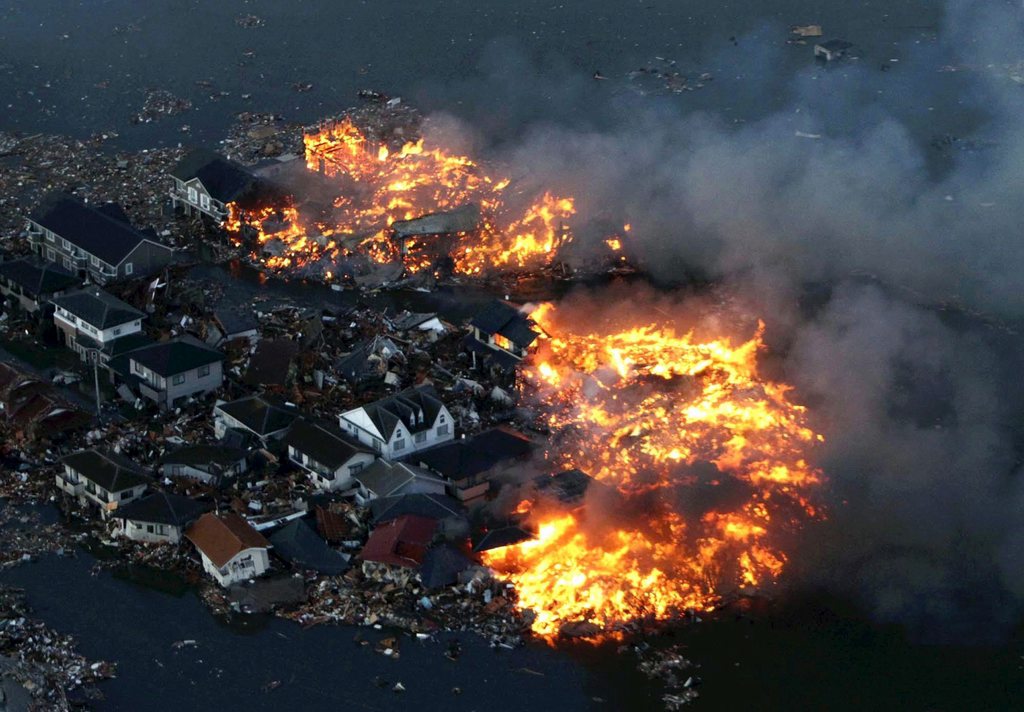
(706, 463)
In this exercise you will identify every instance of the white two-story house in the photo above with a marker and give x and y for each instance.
(95, 242)
(170, 372)
(402, 424)
(158, 517)
(205, 183)
(102, 478)
(89, 320)
(330, 456)
(231, 550)
(502, 335)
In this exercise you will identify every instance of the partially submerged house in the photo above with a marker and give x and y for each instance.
(273, 363)
(389, 479)
(91, 320)
(158, 517)
(330, 456)
(170, 372)
(369, 362)
(213, 464)
(98, 242)
(264, 420)
(205, 182)
(427, 323)
(231, 550)
(233, 325)
(401, 542)
(469, 463)
(409, 233)
(502, 336)
(402, 424)
(299, 544)
(31, 282)
(102, 477)
(832, 50)
(34, 409)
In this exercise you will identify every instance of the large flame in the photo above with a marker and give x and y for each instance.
(377, 187)
(642, 409)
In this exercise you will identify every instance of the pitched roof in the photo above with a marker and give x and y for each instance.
(568, 487)
(400, 542)
(98, 308)
(368, 360)
(258, 415)
(324, 443)
(179, 355)
(236, 321)
(504, 318)
(36, 276)
(460, 459)
(501, 536)
(385, 478)
(404, 408)
(272, 362)
(202, 454)
(224, 180)
(163, 508)
(223, 537)
(299, 545)
(107, 469)
(442, 565)
(435, 506)
(104, 232)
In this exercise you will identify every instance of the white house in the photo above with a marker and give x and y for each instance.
(103, 478)
(213, 464)
(329, 456)
(158, 518)
(402, 424)
(170, 372)
(93, 319)
(392, 479)
(231, 550)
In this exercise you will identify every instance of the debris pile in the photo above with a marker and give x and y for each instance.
(160, 103)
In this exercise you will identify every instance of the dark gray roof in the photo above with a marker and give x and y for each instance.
(324, 443)
(464, 219)
(442, 565)
(568, 487)
(501, 317)
(223, 179)
(435, 506)
(465, 458)
(501, 536)
(365, 361)
(385, 478)
(236, 321)
(258, 415)
(103, 232)
(204, 455)
(271, 364)
(37, 277)
(107, 469)
(835, 45)
(405, 407)
(299, 545)
(98, 308)
(163, 508)
(168, 358)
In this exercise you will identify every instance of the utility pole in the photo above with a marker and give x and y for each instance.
(94, 354)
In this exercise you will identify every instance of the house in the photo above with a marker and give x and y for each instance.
(102, 477)
(832, 50)
(299, 545)
(204, 183)
(329, 456)
(90, 320)
(33, 409)
(158, 517)
(369, 362)
(402, 542)
(273, 363)
(442, 565)
(501, 336)
(255, 415)
(389, 479)
(449, 513)
(95, 242)
(213, 464)
(568, 487)
(170, 372)
(32, 282)
(231, 550)
(402, 424)
(427, 323)
(469, 463)
(234, 324)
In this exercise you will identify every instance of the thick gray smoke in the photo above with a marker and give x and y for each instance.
(920, 404)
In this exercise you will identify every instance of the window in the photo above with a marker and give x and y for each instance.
(128, 268)
(178, 379)
(420, 437)
(441, 419)
(358, 467)
(149, 528)
(49, 236)
(193, 196)
(50, 254)
(117, 331)
(67, 264)
(65, 244)
(95, 261)
(127, 495)
(204, 202)
(203, 371)
(138, 368)
(399, 444)
(442, 429)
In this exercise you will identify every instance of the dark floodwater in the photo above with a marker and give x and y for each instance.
(84, 67)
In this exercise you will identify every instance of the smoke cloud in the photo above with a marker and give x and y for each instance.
(853, 245)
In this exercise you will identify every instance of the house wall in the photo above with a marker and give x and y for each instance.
(55, 248)
(222, 422)
(165, 392)
(149, 532)
(402, 443)
(182, 470)
(194, 198)
(66, 321)
(146, 258)
(105, 500)
(245, 565)
(342, 475)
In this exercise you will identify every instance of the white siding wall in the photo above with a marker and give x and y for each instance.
(236, 570)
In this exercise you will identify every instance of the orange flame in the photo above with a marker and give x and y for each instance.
(636, 408)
